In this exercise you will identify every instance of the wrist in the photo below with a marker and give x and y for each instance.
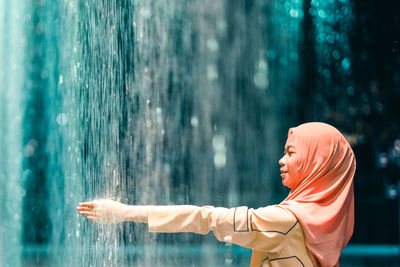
(137, 214)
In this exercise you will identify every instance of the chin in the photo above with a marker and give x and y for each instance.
(285, 183)
(284, 178)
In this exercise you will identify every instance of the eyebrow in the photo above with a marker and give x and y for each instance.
(288, 147)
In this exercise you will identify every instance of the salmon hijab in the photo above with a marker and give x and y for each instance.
(322, 197)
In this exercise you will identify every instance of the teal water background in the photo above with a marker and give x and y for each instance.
(151, 102)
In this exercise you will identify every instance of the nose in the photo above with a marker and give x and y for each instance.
(282, 161)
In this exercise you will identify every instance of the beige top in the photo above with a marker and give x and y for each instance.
(273, 233)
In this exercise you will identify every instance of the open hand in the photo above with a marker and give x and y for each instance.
(104, 210)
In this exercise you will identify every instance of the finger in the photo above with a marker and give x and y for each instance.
(84, 208)
(87, 213)
(87, 204)
(92, 218)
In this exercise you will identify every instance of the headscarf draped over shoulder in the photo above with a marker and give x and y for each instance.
(323, 198)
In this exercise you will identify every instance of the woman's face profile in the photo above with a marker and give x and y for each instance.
(289, 163)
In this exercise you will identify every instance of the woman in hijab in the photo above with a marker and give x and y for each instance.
(309, 228)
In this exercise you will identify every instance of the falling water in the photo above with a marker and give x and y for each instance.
(147, 102)
(12, 43)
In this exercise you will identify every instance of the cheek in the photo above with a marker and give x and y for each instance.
(292, 176)
(292, 166)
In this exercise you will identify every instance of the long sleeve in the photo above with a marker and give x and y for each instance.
(263, 229)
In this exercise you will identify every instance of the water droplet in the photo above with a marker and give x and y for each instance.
(212, 72)
(17, 217)
(336, 55)
(326, 73)
(322, 14)
(221, 25)
(212, 45)
(283, 61)
(228, 261)
(261, 76)
(315, 3)
(262, 66)
(271, 54)
(30, 148)
(261, 80)
(60, 80)
(62, 119)
(194, 121)
(167, 167)
(294, 13)
(159, 114)
(392, 191)
(350, 90)
(228, 239)
(218, 143)
(145, 12)
(346, 63)
(220, 160)
(397, 144)
(294, 56)
(383, 160)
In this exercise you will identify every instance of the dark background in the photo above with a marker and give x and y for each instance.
(368, 112)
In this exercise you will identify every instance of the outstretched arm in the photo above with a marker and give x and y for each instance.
(263, 229)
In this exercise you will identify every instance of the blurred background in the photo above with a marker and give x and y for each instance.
(187, 102)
